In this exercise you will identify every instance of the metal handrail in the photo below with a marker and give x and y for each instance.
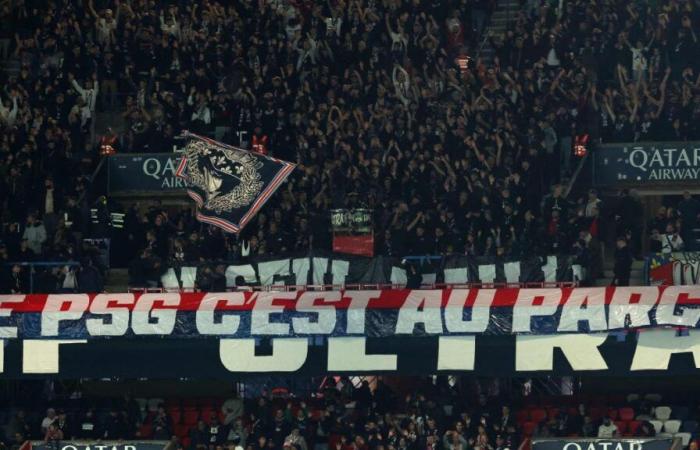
(32, 264)
(43, 263)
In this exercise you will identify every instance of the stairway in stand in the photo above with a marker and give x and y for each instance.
(10, 66)
(117, 280)
(506, 11)
(636, 274)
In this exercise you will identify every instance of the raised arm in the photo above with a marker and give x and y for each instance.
(608, 108)
(414, 222)
(388, 24)
(117, 11)
(91, 9)
(621, 80)
(75, 85)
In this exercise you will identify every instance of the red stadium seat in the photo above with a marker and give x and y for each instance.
(633, 426)
(621, 426)
(181, 431)
(612, 413)
(206, 413)
(529, 428)
(522, 416)
(596, 413)
(626, 414)
(538, 415)
(191, 416)
(145, 431)
(552, 413)
(175, 415)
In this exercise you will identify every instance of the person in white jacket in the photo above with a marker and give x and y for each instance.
(89, 96)
(35, 234)
(7, 115)
(88, 93)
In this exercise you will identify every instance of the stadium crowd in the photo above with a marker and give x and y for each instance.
(343, 416)
(366, 96)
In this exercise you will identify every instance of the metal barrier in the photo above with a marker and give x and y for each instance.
(34, 264)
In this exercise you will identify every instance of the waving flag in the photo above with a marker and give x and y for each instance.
(229, 184)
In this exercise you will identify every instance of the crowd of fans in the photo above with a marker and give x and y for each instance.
(367, 97)
(673, 229)
(343, 416)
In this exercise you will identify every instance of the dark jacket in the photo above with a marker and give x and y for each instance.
(623, 264)
(90, 280)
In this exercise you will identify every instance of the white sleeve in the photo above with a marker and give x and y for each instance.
(77, 87)
(206, 116)
(13, 112)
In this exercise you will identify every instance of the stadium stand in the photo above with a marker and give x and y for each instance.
(352, 416)
(462, 146)
(368, 98)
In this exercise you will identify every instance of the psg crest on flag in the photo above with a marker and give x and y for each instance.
(229, 184)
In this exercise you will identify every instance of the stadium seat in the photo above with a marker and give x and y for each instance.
(538, 415)
(191, 416)
(621, 426)
(658, 425)
(145, 431)
(522, 416)
(690, 426)
(186, 441)
(685, 438)
(662, 412)
(672, 426)
(596, 413)
(626, 414)
(664, 435)
(552, 413)
(680, 412)
(654, 398)
(175, 415)
(206, 413)
(529, 428)
(181, 430)
(613, 414)
(633, 426)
